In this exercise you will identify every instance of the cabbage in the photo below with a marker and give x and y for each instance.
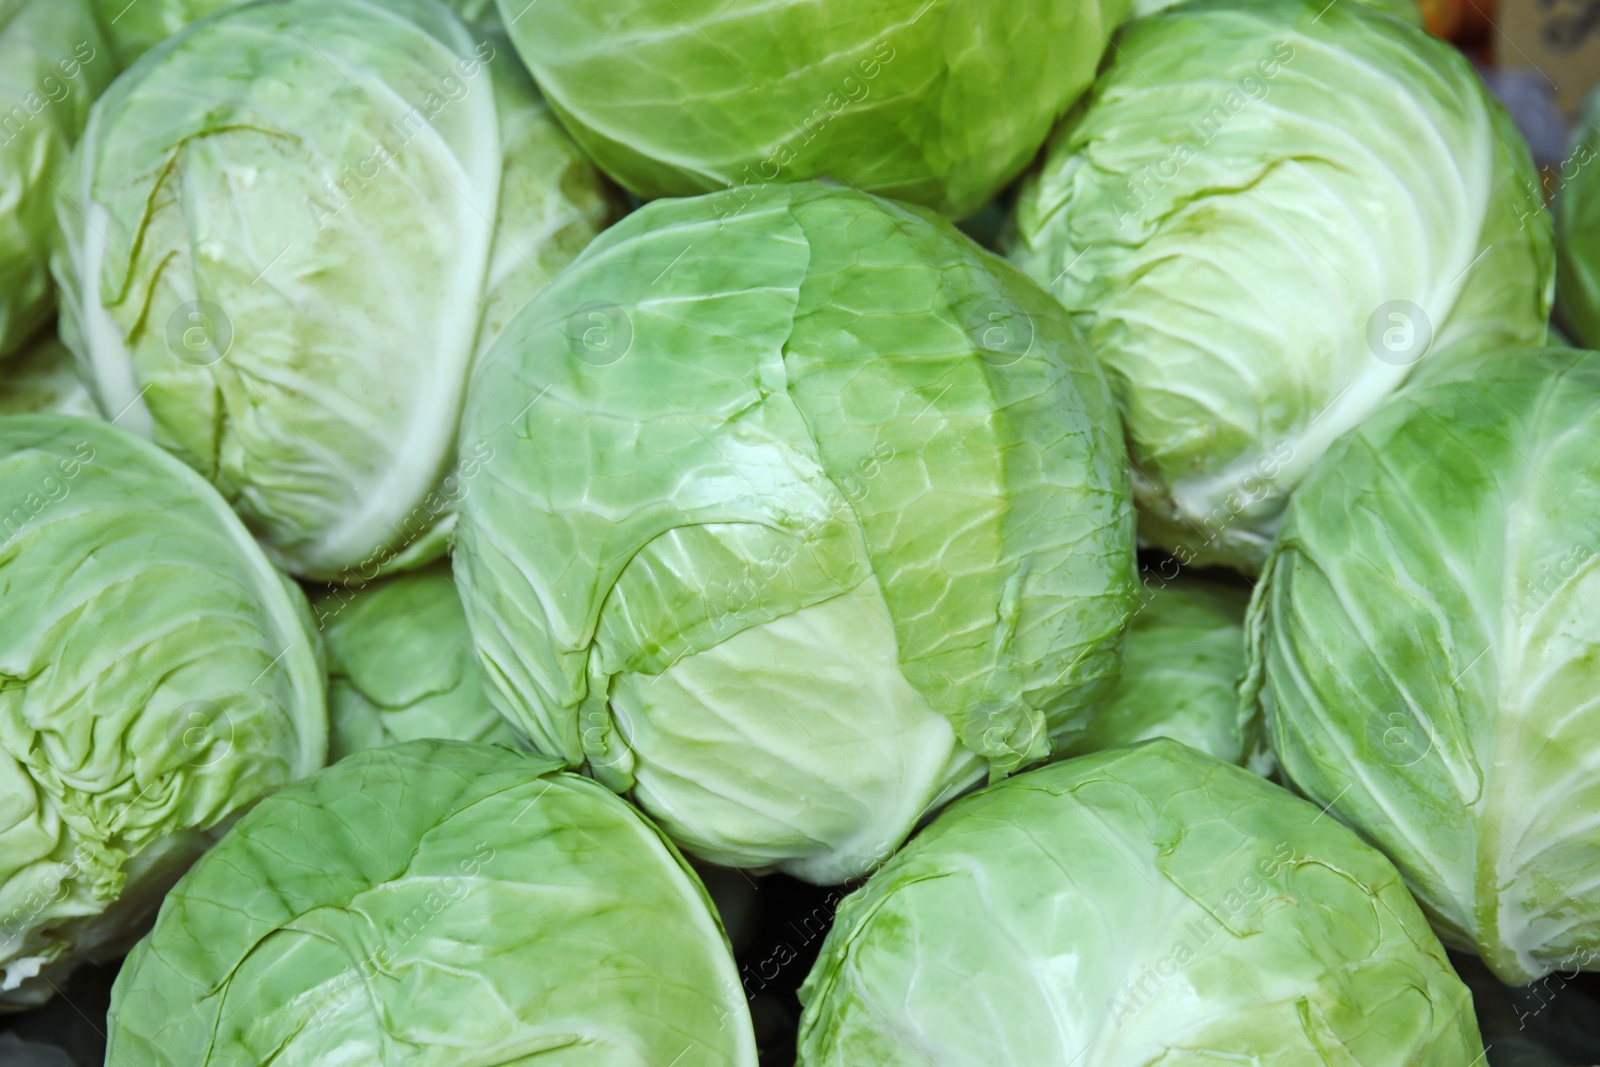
(939, 102)
(1184, 657)
(295, 224)
(157, 676)
(136, 26)
(1146, 905)
(1425, 643)
(401, 665)
(435, 903)
(1262, 236)
(53, 63)
(801, 518)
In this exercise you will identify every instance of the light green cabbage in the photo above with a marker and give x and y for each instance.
(157, 676)
(435, 903)
(939, 102)
(295, 224)
(401, 665)
(1578, 229)
(1263, 234)
(804, 513)
(135, 26)
(1142, 906)
(43, 378)
(1184, 658)
(1426, 644)
(53, 63)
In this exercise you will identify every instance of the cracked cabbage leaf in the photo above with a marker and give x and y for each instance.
(435, 904)
(804, 514)
(292, 228)
(1146, 905)
(1263, 236)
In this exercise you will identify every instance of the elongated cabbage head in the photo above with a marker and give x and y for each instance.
(939, 102)
(293, 226)
(1425, 644)
(1139, 906)
(1263, 236)
(53, 63)
(803, 514)
(401, 665)
(435, 903)
(1184, 659)
(157, 676)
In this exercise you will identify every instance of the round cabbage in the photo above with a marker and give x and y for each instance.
(157, 676)
(53, 63)
(1147, 905)
(1184, 659)
(1263, 236)
(1426, 645)
(800, 519)
(440, 904)
(401, 665)
(939, 102)
(294, 226)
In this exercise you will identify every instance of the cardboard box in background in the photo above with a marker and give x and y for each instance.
(1558, 38)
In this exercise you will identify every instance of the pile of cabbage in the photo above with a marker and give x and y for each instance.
(474, 475)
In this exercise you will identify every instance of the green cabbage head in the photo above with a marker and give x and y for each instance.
(1145, 905)
(1184, 659)
(157, 676)
(435, 903)
(1578, 230)
(133, 27)
(1262, 236)
(292, 227)
(53, 63)
(939, 102)
(1426, 645)
(401, 665)
(804, 513)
